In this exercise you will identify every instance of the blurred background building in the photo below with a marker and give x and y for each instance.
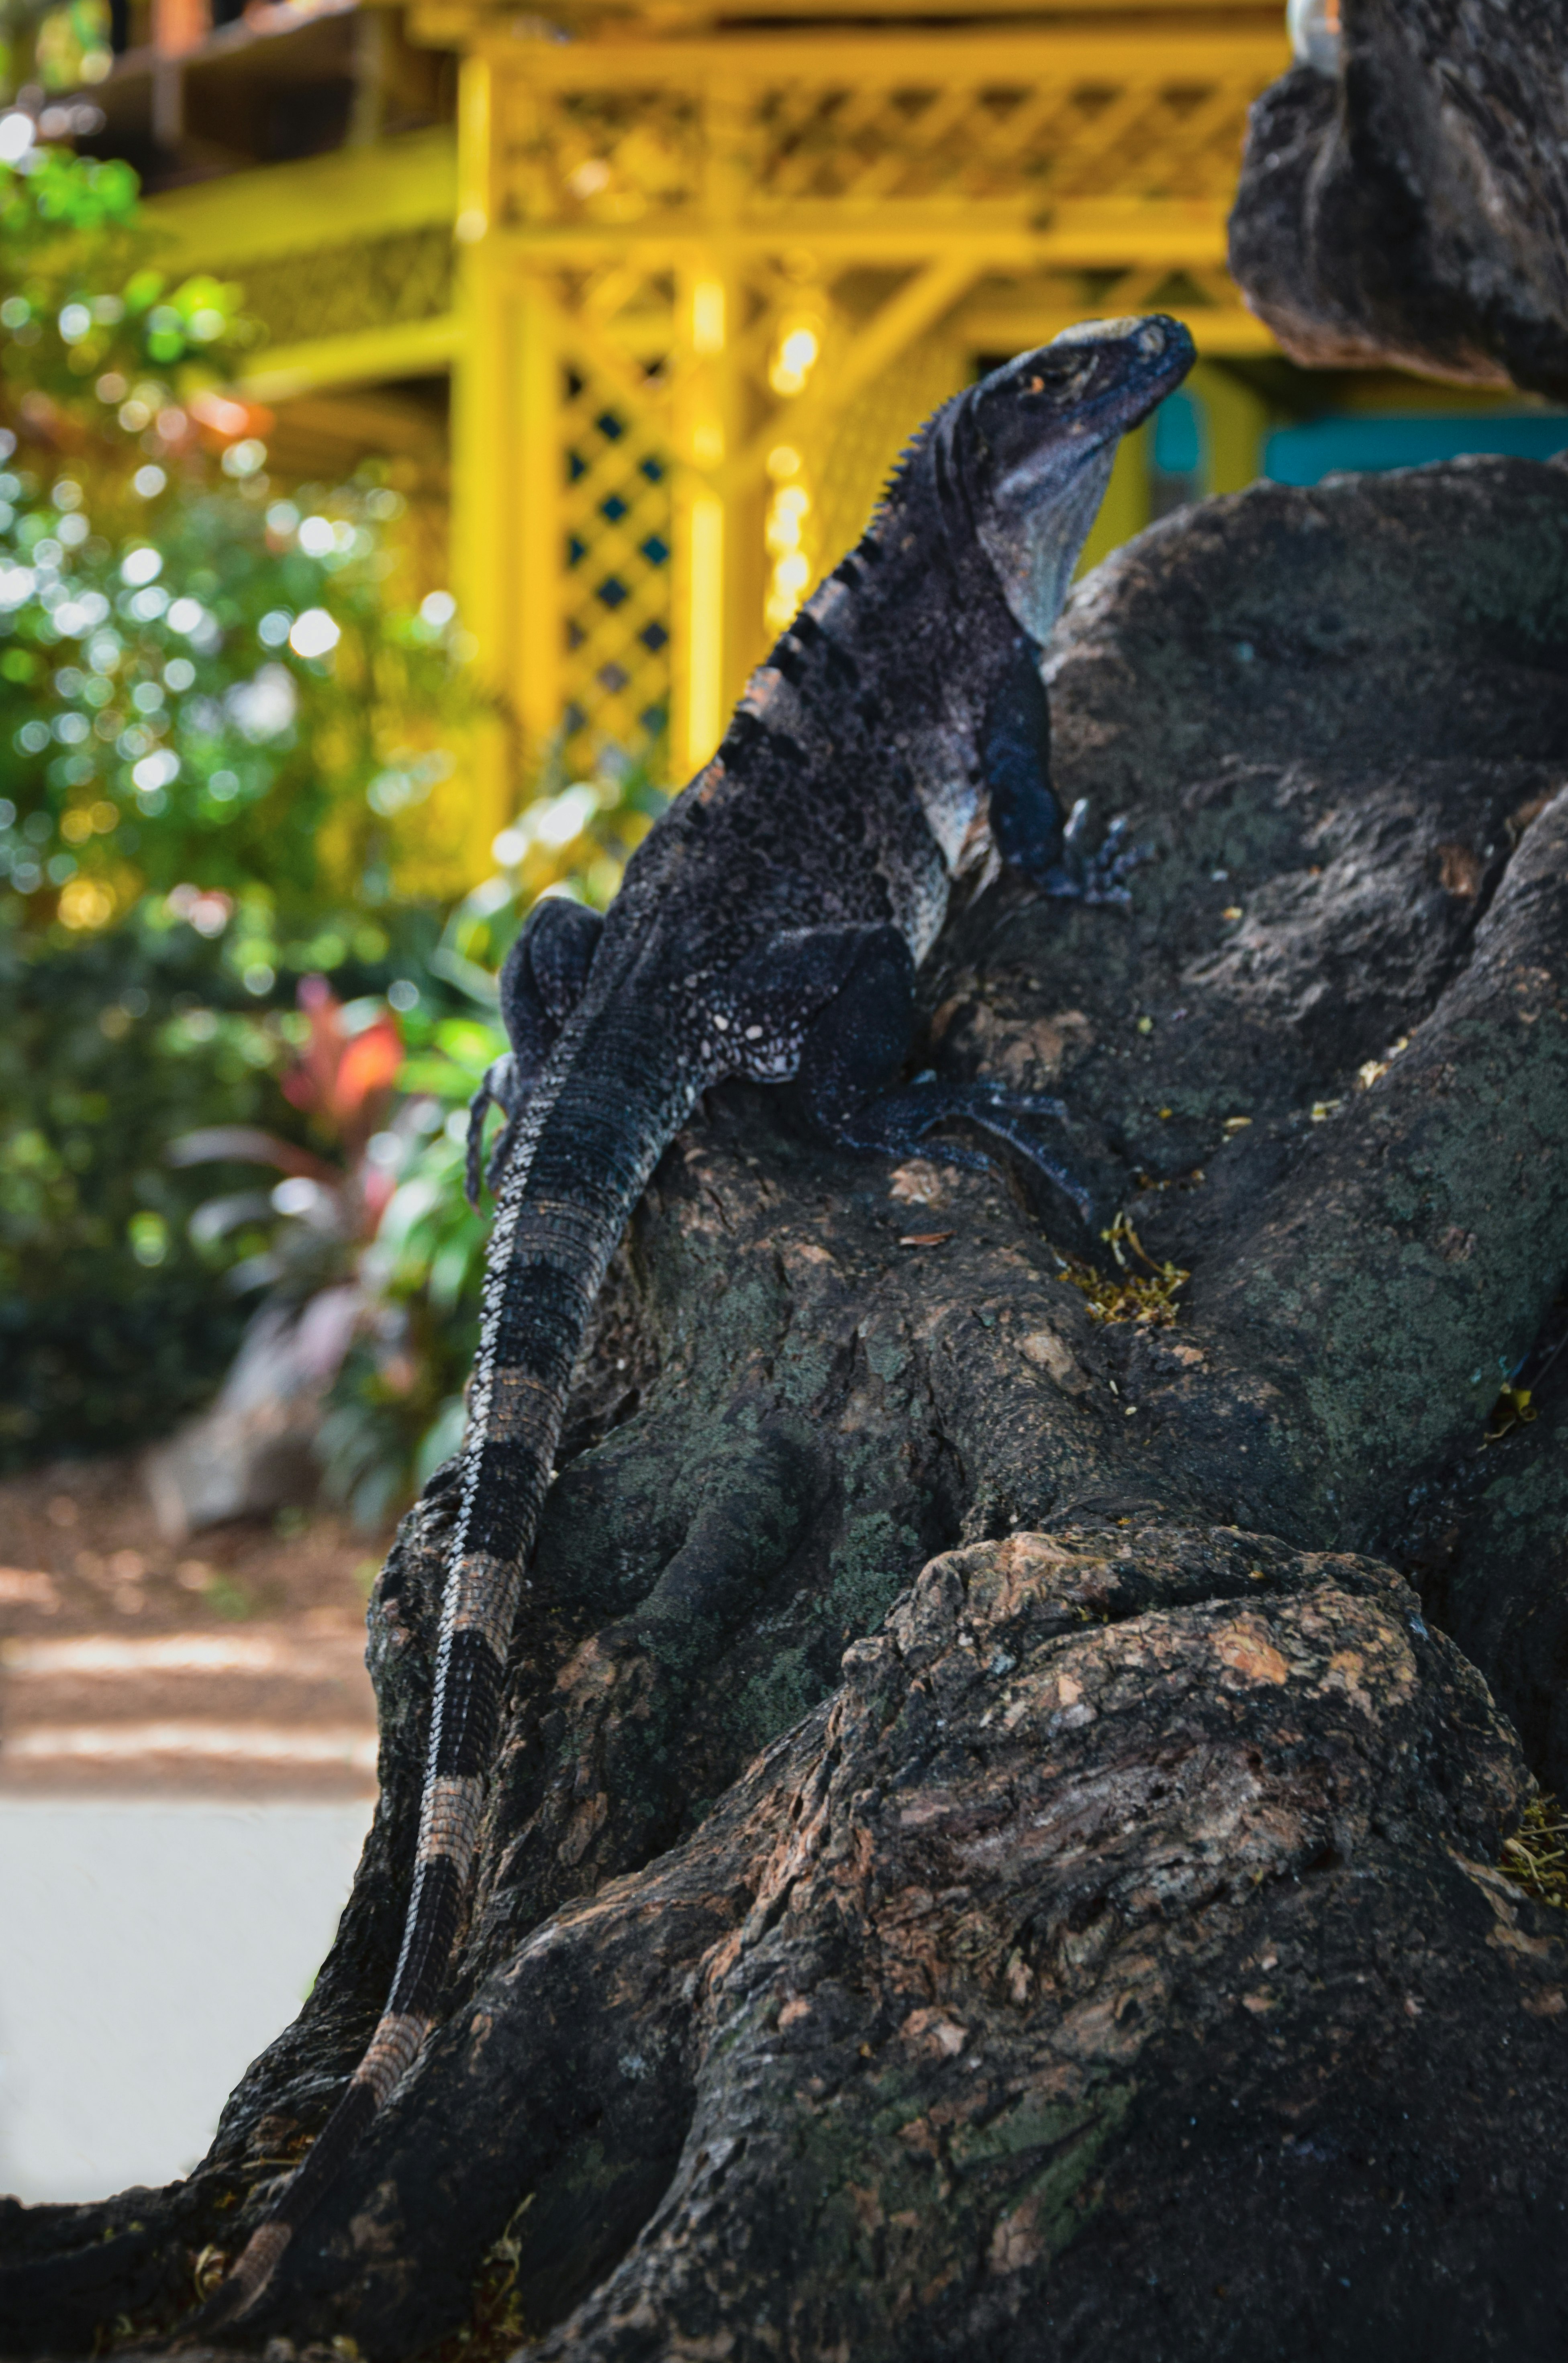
(643, 296)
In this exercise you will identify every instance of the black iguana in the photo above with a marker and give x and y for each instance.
(769, 925)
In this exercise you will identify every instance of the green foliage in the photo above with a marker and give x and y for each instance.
(576, 835)
(82, 296)
(112, 1320)
(397, 1409)
(199, 682)
(161, 726)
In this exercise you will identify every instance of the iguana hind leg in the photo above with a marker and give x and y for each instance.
(541, 982)
(857, 984)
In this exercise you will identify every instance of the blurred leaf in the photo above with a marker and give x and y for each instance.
(244, 1143)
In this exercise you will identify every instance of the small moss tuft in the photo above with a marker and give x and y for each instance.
(1148, 1300)
(1536, 1856)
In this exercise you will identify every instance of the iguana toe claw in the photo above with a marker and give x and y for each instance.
(1098, 877)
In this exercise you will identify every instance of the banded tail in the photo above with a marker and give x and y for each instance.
(614, 1094)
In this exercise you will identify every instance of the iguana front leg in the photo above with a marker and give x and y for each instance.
(1027, 824)
(542, 979)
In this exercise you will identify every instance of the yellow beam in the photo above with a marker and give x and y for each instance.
(457, 24)
(884, 61)
(406, 349)
(986, 237)
(1226, 332)
(337, 200)
(494, 486)
(669, 17)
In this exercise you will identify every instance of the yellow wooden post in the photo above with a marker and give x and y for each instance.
(535, 527)
(484, 464)
(704, 418)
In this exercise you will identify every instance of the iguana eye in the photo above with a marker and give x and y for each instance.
(1034, 386)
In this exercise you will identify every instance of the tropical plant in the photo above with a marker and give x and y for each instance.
(82, 294)
(367, 1244)
(341, 1079)
(111, 1321)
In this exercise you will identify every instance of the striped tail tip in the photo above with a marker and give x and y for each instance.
(393, 2051)
(247, 2278)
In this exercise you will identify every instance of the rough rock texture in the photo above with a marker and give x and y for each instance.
(1414, 210)
(1103, 1957)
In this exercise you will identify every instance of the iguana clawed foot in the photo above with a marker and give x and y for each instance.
(1099, 877)
(901, 1124)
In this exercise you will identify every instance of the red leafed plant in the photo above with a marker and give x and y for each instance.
(345, 1083)
(344, 1080)
(321, 1300)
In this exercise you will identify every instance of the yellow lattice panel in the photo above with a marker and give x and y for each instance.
(617, 555)
(743, 267)
(633, 136)
(1166, 134)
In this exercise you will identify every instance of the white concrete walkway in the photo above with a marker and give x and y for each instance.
(148, 1949)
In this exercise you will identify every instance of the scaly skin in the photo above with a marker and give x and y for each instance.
(768, 926)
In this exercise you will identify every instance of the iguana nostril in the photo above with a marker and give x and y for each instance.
(1152, 339)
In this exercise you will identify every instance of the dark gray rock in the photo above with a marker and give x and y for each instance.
(1413, 210)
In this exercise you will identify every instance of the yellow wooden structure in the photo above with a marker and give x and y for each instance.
(695, 286)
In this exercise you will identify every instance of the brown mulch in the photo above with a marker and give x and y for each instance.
(230, 1665)
(80, 1552)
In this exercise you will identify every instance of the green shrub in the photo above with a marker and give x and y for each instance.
(114, 1321)
(201, 681)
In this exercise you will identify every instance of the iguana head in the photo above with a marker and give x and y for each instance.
(1032, 445)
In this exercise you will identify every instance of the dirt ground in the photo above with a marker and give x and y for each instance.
(80, 1552)
(229, 1664)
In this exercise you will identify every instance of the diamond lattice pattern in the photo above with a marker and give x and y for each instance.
(616, 580)
(615, 157)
